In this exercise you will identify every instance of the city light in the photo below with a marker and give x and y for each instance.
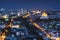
(57, 38)
(3, 36)
(33, 11)
(29, 19)
(38, 11)
(26, 16)
(40, 28)
(7, 19)
(5, 16)
(22, 24)
(44, 14)
(15, 26)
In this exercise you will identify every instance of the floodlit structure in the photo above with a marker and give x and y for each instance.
(44, 15)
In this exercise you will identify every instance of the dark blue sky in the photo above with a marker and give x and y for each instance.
(30, 4)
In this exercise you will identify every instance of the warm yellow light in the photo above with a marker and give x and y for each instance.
(3, 36)
(44, 14)
(39, 27)
(26, 16)
(38, 11)
(5, 16)
(6, 30)
(57, 38)
(10, 25)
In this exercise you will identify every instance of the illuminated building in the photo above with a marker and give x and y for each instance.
(15, 26)
(38, 11)
(44, 15)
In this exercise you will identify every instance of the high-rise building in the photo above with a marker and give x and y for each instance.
(23, 11)
(44, 15)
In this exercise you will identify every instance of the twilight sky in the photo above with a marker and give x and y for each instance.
(30, 4)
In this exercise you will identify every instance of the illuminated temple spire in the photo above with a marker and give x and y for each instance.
(44, 14)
